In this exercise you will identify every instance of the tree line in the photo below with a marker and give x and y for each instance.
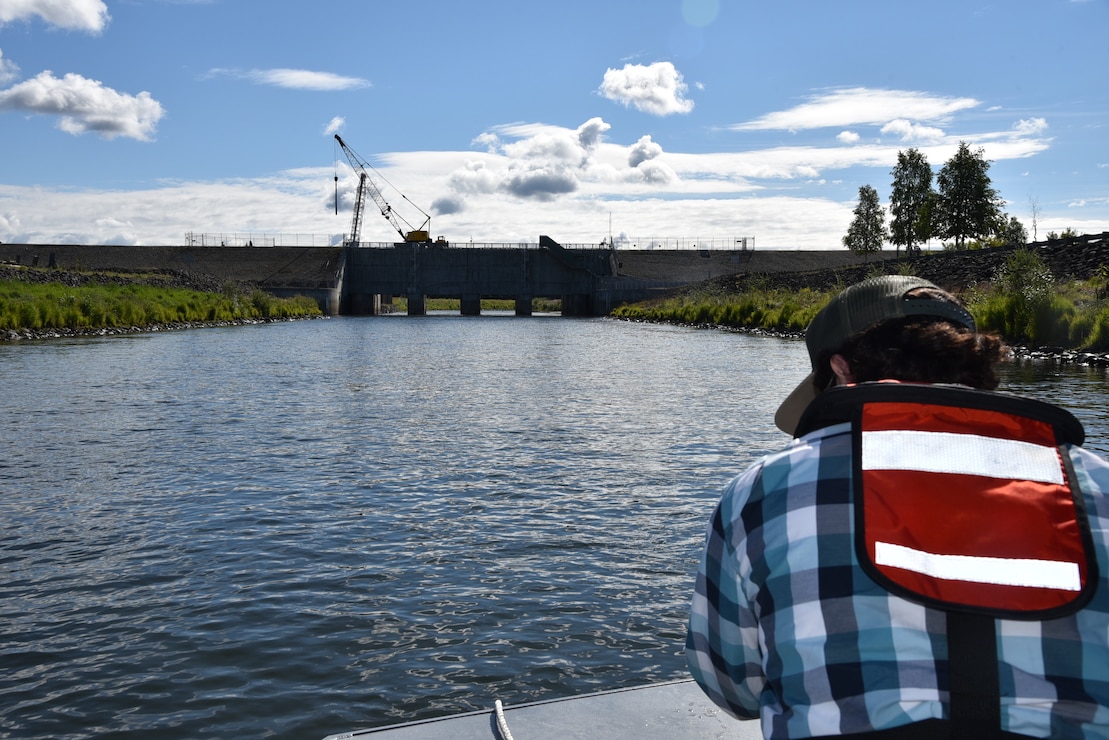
(962, 206)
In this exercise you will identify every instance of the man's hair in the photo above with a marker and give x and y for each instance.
(923, 349)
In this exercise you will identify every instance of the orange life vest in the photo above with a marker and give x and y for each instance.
(963, 498)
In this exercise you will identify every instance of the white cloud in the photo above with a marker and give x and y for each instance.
(657, 89)
(858, 106)
(488, 141)
(162, 216)
(85, 105)
(591, 132)
(656, 173)
(334, 126)
(643, 150)
(296, 79)
(1031, 126)
(909, 132)
(9, 71)
(447, 206)
(535, 163)
(73, 15)
(542, 182)
(474, 176)
(525, 179)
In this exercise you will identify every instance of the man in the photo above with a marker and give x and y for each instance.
(926, 559)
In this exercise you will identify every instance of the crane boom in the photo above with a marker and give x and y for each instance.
(366, 186)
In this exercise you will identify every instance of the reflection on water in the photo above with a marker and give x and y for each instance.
(297, 529)
(1084, 391)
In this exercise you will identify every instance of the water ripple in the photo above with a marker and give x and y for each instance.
(290, 530)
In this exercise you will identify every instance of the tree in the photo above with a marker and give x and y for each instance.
(967, 206)
(1014, 233)
(1035, 217)
(867, 232)
(911, 201)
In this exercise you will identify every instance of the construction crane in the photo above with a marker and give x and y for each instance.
(366, 185)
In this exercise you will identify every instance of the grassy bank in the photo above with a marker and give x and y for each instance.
(41, 306)
(1022, 302)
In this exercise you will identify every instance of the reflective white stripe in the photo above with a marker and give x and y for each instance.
(999, 571)
(963, 454)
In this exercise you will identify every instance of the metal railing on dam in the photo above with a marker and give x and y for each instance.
(261, 239)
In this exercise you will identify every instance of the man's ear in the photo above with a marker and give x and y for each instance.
(842, 370)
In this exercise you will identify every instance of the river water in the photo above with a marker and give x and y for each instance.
(295, 529)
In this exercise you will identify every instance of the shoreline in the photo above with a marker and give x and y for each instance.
(33, 335)
(1058, 355)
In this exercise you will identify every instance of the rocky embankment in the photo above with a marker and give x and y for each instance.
(163, 278)
(1080, 258)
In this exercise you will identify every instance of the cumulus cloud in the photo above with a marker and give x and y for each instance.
(643, 150)
(85, 105)
(533, 162)
(554, 144)
(909, 132)
(540, 181)
(848, 137)
(334, 126)
(859, 106)
(657, 89)
(74, 15)
(447, 206)
(591, 132)
(656, 173)
(295, 79)
(475, 176)
(542, 163)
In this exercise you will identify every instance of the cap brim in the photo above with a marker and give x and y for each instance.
(789, 413)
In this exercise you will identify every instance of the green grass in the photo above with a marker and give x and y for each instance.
(57, 306)
(1023, 304)
(772, 309)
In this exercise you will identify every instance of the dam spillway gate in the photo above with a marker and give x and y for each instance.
(585, 280)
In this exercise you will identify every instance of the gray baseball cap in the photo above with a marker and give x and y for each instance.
(859, 306)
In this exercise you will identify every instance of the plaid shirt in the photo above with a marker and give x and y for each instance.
(785, 625)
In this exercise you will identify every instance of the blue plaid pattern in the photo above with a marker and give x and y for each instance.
(786, 627)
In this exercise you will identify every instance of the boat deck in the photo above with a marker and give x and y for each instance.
(661, 711)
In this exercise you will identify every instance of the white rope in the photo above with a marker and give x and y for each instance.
(502, 724)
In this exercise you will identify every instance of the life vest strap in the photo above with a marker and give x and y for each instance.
(973, 680)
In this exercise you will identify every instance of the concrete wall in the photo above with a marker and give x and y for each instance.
(353, 279)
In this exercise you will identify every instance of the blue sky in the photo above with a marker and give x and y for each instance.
(138, 121)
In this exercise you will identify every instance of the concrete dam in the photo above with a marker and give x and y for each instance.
(362, 279)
